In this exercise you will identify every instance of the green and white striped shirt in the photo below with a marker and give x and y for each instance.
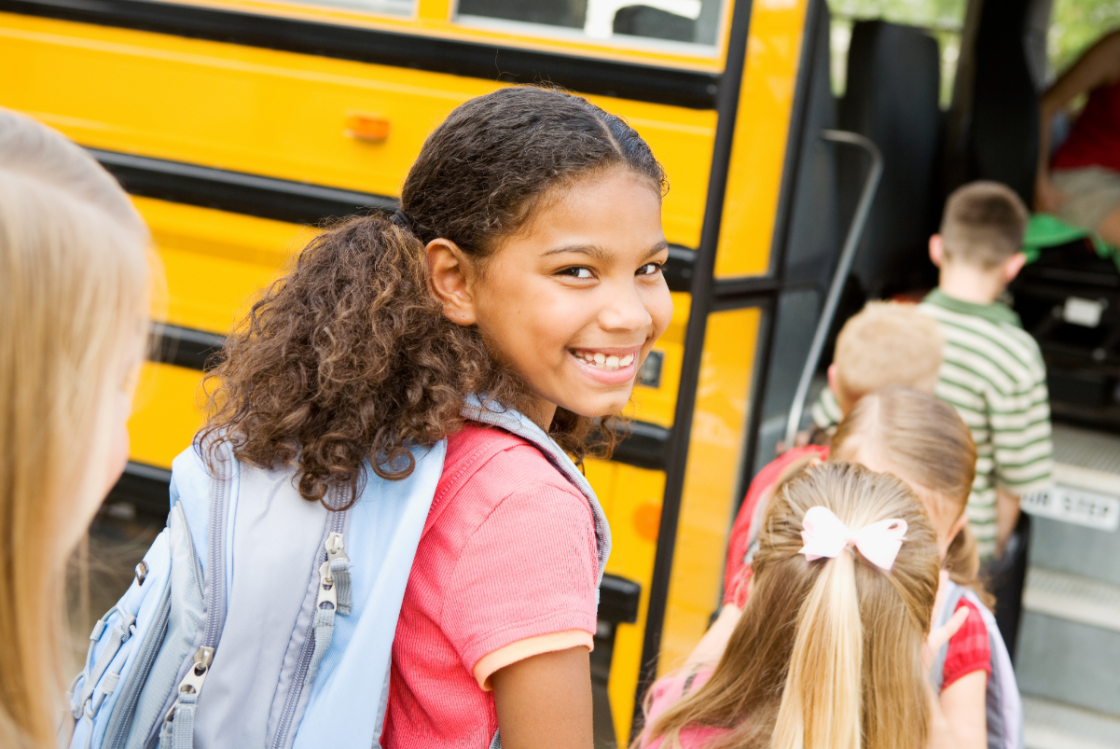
(994, 376)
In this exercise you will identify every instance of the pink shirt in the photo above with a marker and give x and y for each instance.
(508, 557)
(668, 691)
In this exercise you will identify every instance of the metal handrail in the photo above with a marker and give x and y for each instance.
(843, 267)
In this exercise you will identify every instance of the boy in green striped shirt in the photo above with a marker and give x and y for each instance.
(992, 370)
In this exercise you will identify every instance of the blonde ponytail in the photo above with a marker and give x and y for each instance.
(827, 654)
(820, 707)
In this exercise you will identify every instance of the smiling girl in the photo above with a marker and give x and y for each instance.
(524, 268)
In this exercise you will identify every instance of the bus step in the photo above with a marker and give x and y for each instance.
(1054, 725)
(1069, 643)
(1076, 527)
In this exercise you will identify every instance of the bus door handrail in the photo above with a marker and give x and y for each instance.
(843, 267)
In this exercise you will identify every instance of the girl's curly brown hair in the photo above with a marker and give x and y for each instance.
(349, 356)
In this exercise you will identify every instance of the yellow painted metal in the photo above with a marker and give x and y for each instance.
(631, 498)
(761, 130)
(217, 262)
(166, 414)
(719, 432)
(281, 114)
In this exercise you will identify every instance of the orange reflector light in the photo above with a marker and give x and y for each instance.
(367, 126)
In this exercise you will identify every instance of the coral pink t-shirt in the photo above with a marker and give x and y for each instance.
(508, 557)
(668, 691)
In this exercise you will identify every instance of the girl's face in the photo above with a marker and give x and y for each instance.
(575, 301)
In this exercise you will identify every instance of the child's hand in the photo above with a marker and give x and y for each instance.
(941, 635)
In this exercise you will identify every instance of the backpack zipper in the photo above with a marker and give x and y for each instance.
(333, 547)
(214, 596)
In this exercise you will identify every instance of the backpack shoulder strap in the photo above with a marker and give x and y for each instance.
(515, 423)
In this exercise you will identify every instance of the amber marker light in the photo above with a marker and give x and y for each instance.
(368, 127)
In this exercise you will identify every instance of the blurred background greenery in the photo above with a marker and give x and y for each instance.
(1075, 24)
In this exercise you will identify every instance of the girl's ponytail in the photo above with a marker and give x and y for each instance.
(827, 654)
(820, 706)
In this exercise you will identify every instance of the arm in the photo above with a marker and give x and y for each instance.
(962, 704)
(1100, 65)
(1007, 516)
(545, 701)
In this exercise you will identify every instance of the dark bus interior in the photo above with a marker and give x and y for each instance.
(988, 131)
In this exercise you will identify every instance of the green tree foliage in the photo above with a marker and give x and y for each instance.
(1075, 25)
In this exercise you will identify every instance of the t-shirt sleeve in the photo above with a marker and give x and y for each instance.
(1021, 444)
(529, 569)
(970, 649)
(826, 411)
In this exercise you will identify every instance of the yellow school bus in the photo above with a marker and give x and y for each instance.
(237, 125)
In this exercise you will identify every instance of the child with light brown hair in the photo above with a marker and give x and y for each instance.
(887, 343)
(828, 653)
(993, 372)
(73, 320)
(923, 441)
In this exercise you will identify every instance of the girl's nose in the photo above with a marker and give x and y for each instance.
(625, 309)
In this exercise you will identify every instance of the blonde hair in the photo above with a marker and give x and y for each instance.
(983, 224)
(827, 654)
(887, 343)
(925, 440)
(73, 295)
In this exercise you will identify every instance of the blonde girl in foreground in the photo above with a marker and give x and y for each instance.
(73, 300)
(831, 650)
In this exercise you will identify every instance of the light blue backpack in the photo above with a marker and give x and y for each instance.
(260, 620)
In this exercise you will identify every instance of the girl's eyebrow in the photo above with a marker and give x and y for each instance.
(602, 255)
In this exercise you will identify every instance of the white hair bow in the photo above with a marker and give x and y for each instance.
(825, 535)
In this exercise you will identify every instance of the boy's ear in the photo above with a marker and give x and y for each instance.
(1012, 266)
(936, 250)
(450, 277)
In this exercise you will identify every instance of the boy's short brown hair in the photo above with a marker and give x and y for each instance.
(983, 224)
(887, 343)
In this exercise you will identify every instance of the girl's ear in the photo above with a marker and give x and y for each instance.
(957, 527)
(451, 275)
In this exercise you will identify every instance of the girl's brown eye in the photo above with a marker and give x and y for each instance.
(650, 269)
(577, 271)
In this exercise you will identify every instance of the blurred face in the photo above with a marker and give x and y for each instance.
(112, 444)
(575, 302)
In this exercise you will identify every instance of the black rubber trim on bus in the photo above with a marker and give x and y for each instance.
(145, 487)
(236, 192)
(619, 599)
(186, 347)
(279, 199)
(701, 300)
(641, 82)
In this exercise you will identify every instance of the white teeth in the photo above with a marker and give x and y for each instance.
(604, 361)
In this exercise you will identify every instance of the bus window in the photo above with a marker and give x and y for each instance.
(693, 22)
(383, 7)
(943, 20)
